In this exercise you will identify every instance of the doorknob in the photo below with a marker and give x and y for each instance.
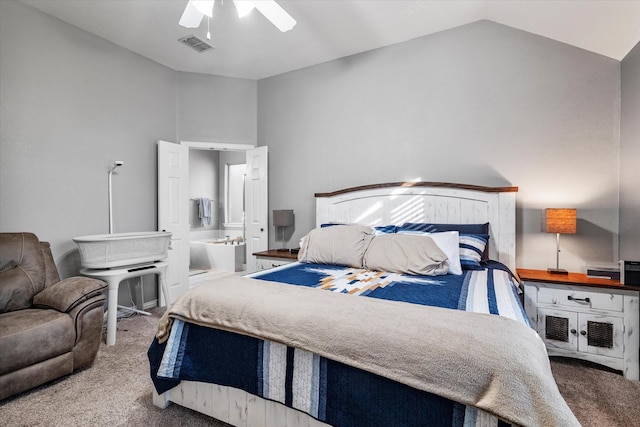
(261, 230)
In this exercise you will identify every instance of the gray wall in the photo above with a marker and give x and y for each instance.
(72, 104)
(483, 103)
(216, 109)
(629, 156)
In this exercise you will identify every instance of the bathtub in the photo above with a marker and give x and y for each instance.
(216, 254)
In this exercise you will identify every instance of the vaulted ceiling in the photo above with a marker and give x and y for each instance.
(328, 29)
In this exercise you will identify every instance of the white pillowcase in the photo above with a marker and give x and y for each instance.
(448, 242)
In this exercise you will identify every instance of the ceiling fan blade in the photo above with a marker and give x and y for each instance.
(276, 14)
(204, 6)
(191, 17)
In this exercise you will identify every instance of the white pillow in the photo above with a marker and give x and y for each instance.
(448, 242)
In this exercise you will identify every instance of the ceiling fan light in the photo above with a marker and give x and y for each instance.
(204, 6)
(244, 7)
(276, 14)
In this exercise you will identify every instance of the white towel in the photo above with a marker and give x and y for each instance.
(204, 211)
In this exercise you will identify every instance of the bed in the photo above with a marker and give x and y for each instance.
(403, 339)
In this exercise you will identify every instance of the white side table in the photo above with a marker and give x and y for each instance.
(274, 258)
(114, 276)
(586, 318)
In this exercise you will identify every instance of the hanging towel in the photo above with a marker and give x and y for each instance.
(204, 211)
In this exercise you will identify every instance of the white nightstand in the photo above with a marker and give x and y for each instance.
(274, 258)
(591, 319)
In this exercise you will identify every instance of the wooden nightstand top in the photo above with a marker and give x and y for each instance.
(274, 253)
(571, 279)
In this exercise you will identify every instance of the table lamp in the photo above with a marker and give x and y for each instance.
(559, 221)
(281, 219)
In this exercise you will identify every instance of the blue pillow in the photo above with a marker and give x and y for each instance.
(386, 229)
(472, 247)
(460, 228)
(330, 224)
(381, 229)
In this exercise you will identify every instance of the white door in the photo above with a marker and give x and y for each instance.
(256, 204)
(173, 212)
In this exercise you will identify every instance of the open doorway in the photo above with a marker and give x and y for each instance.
(217, 208)
(174, 200)
(217, 211)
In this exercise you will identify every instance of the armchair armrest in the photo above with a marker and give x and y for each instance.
(68, 293)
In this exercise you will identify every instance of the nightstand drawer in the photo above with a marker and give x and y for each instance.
(267, 263)
(274, 258)
(578, 298)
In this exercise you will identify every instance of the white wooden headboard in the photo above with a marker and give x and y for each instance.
(430, 202)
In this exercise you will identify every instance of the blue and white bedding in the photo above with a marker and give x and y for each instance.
(330, 391)
(492, 290)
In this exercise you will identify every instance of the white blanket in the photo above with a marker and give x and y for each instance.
(487, 361)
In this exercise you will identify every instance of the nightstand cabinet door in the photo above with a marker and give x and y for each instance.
(583, 332)
(601, 334)
(558, 328)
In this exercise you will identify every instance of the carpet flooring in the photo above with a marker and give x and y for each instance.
(116, 391)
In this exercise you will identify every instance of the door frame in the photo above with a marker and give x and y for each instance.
(221, 146)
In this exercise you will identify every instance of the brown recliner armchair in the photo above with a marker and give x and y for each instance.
(48, 327)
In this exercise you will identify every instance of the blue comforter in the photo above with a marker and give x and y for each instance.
(272, 370)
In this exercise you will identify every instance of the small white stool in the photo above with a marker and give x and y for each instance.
(114, 276)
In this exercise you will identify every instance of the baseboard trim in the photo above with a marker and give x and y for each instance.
(150, 304)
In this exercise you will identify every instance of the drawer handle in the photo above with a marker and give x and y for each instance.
(587, 300)
(574, 332)
(583, 333)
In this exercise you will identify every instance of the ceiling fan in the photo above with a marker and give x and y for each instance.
(198, 9)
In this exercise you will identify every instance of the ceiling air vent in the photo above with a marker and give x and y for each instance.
(196, 43)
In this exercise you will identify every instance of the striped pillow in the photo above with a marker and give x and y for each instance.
(471, 249)
(461, 228)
